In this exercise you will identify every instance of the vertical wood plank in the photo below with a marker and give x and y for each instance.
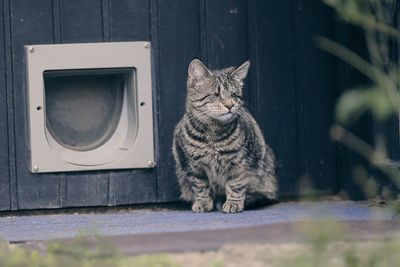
(154, 33)
(31, 23)
(5, 203)
(226, 36)
(393, 129)
(86, 189)
(226, 33)
(252, 91)
(133, 187)
(393, 125)
(315, 95)
(106, 24)
(57, 40)
(347, 77)
(276, 85)
(179, 43)
(130, 21)
(203, 31)
(10, 105)
(82, 21)
(57, 21)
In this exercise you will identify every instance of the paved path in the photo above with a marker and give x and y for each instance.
(285, 232)
(142, 222)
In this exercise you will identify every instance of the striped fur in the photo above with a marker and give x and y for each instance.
(218, 147)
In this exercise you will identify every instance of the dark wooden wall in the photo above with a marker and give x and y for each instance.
(4, 137)
(63, 21)
(365, 128)
(290, 90)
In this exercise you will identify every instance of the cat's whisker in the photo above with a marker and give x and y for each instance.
(243, 115)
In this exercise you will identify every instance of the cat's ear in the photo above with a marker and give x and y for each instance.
(229, 70)
(197, 70)
(241, 72)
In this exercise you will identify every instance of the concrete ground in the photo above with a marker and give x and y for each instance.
(146, 229)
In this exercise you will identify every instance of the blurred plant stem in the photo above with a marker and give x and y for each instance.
(374, 156)
(381, 96)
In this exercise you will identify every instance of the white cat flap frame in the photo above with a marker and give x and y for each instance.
(130, 144)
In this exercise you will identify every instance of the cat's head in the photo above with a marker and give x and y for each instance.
(215, 94)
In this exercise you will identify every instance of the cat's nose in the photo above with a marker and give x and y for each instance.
(228, 103)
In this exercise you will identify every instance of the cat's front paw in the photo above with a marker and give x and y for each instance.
(232, 207)
(203, 205)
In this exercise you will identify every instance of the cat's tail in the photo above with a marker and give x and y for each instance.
(219, 202)
(258, 200)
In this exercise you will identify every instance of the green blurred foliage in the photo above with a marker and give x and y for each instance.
(83, 251)
(352, 104)
(324, 245)
(328, 246)
(380, 97)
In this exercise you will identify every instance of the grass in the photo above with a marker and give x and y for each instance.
(324, 244)
(84, 251)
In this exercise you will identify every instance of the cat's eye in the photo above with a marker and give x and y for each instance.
(237, 96)
(218, 93)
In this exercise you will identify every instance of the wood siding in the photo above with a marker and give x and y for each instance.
(290, 89)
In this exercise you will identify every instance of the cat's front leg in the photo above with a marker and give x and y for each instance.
(235, 189)
(203, 201)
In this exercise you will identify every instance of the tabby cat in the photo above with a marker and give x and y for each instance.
(219, 149)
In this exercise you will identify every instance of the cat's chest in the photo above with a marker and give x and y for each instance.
(216, 167)
(216, 154)
(215, 162)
